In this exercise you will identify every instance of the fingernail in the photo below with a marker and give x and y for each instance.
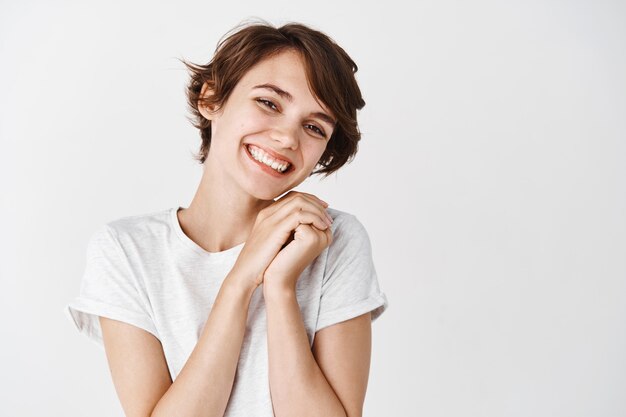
(330, 219)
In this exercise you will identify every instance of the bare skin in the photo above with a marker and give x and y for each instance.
(235, 203)
(233, 189)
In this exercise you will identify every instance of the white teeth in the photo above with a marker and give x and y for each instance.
(263, 157)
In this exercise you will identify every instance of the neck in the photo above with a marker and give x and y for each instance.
(220, 216)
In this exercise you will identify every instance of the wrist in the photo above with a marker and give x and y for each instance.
(276, 288)
(240, 282)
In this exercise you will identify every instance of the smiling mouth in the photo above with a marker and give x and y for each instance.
(266, 167)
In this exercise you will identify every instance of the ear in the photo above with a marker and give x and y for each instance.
(205, 110)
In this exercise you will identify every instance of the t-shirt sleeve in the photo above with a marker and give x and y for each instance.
(109, 289)
(350, 285)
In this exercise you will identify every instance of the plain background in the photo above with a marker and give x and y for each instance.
(491, 178)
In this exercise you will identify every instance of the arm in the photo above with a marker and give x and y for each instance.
(300, 380)
(297, 384)
(204, 384)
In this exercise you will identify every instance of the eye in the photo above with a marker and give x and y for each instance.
(271, 105)
(267, 103)
(318, 130)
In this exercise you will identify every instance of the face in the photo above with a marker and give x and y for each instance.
(271, 132)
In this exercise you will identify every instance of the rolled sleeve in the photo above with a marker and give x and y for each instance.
(350, 286)
(108, 289)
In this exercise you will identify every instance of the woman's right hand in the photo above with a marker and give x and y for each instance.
(273, 229)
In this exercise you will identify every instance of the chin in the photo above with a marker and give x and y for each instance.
(262, 191)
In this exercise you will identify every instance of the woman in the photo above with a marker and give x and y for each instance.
(240, 304)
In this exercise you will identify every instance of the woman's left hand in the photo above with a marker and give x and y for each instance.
(308, 242)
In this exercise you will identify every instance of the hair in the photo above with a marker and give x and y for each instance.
(330, 74)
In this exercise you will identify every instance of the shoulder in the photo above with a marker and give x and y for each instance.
(345, 225)
(133, 228)
(350, 236)
(349, 263)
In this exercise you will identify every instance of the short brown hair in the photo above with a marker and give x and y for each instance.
(330, 73)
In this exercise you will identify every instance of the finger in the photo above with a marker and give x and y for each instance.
(304, 202)
(324, 237)
(295, 194)
(324, 205)
(329, 236)
(296, 218)
(299, 202)
(316, 198)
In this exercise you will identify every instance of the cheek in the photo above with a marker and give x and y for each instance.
(241, 122)
(250, 123)
(315, 150)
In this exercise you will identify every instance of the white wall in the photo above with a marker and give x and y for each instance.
(491, 178)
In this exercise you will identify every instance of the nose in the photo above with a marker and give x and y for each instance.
(286, 135)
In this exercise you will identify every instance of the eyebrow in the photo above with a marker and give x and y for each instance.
(284, 94)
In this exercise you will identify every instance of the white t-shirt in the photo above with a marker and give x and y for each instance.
(145, 271)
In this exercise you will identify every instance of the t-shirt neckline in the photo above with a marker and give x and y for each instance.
(175, 224)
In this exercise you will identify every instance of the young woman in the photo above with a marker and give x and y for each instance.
(245, 304)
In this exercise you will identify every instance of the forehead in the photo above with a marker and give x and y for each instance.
(287, 71)
(286, 64)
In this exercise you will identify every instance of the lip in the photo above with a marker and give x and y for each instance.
(271, 153)
(264, 167)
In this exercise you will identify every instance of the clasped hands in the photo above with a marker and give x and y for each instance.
(286, 237)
